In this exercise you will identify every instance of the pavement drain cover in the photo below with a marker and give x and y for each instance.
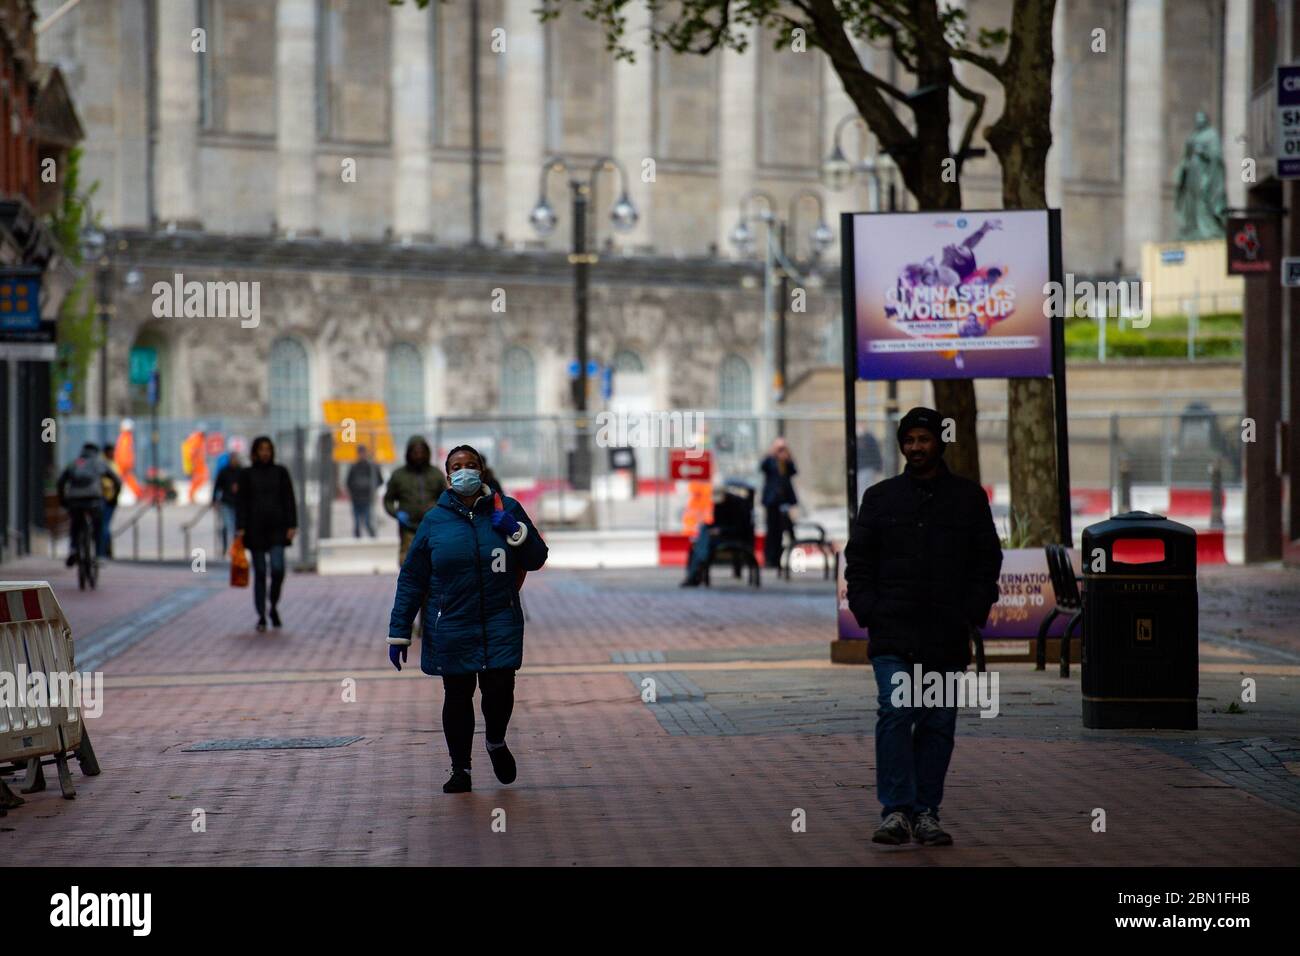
(273, 743)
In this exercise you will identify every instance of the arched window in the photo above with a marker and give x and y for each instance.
(735, 386)
(404, 383)
(735, 435)
(404, 392)
(290, 387)
(518, 382)
(628, 361)
(517, 452)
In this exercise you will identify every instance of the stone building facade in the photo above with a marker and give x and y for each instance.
(322, 148)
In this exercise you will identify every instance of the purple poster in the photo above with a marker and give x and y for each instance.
(1025, 598)
(952, 294)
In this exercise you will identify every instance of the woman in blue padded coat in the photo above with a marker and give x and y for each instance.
(466, 564)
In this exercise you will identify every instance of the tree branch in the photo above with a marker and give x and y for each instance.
(968, 134)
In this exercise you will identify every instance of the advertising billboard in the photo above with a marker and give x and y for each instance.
(1025, 599)
(952, 294)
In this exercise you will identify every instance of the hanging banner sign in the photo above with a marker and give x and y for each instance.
(23, 335)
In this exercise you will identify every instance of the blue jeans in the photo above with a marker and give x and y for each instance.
(276, 554)
(910, 764)
(228, 526)
(702, 549)
(104, 546)
(362, 517)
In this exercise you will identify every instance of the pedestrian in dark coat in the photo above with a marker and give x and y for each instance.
(921, 568)
(267, 518)
(364, 478)
(778, 498)
(464, 567)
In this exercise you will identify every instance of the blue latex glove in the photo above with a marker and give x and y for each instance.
(505, 522)
(398, 650)
(404, 519)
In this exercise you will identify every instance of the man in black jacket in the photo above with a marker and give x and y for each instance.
(922, 568)
(267, 516)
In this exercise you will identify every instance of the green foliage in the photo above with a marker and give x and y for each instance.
(1218, 336)
(78, 335)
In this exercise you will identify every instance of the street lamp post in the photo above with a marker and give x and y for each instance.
(94, 248)
(781, 258)
(543, 218)
(837, 172)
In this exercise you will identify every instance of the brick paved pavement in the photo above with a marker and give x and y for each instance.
(750, 724)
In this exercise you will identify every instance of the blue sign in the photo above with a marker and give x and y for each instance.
(1173, 257)
(153, 389)
(593, 367)
(20, 304)
(1288, 122)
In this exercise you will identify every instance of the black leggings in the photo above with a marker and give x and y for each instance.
(498, 687)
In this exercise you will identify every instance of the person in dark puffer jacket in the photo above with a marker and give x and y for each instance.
(921, 568)
(465, 566)
(266, 516)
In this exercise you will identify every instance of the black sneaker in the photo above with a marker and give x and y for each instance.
(503, 763)
(458, 782)
(261, 624)
(894, 830)
(927, 832)
(275, 618)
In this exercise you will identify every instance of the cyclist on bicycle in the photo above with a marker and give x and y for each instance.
(81, 492)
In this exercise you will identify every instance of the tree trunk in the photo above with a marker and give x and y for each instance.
(920, 158)
(955, 398)
(1021, 138)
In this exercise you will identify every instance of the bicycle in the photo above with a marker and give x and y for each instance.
(87, 563)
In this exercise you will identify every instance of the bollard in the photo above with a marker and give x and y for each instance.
(1125, 487)
(1216, 495)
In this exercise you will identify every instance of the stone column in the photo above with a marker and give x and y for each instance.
(295, 132)
(177, 160)
(1144, 126)
(737, 140)
(523, 140)
(633, 114)
(412, 85)
(1236, 86)
(130, 189)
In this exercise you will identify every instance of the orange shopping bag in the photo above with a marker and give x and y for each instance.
(238, 563)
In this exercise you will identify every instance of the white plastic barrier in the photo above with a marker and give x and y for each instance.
(36, 646)
(357, 556)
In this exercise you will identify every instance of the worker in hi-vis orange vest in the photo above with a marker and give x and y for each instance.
(124, 457)
(194, 461)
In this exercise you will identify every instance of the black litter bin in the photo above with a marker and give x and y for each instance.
(1139, 623)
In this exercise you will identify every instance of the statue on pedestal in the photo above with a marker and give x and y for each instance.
(1200, 196)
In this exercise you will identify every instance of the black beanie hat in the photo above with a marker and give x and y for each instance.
(926, 418)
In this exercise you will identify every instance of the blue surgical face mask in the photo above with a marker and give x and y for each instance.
(466, 481)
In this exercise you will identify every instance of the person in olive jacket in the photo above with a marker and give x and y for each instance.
(465, 566)
(412, 490)
(266, 516)
(921, 568)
